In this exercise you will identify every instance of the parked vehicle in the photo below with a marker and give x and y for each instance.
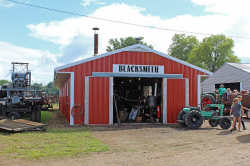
(226, 100)
(18, 99)
(193, 117)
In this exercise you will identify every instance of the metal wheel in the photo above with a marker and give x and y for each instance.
(193, 119)
(225, 123)
(213, 122)
(13, 115)
(181, 117)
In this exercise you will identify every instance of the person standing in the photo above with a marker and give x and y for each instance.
(236, 112)
(229, 92)
(243, 108)
(221, 90)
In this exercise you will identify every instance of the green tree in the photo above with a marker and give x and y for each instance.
(182, 46)
(115, 44)
(51, 89)
(2, 82)
(210, 54)
(213, 52)
(37, 86)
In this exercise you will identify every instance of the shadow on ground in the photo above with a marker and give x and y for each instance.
(224, 132)
(244, 138)
(144, 126)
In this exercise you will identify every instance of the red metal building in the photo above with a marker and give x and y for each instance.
(86, 86)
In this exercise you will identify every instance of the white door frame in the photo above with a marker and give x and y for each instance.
(72, 95)
(199, 90)
(111, 87)
(86, 100)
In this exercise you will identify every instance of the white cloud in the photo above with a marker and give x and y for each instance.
(4, 3)
(86, 3)
(227, 7)
(218, 21)
(41, 63)
(78, 48)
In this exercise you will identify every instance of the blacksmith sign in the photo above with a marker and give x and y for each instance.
(140, 69)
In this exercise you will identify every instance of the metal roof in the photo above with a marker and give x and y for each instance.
(243, 66)
(138, 48)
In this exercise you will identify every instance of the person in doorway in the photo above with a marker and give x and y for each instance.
(222, 90)
(229, 92)
(236, 112)
(235, 93)
(217, 95)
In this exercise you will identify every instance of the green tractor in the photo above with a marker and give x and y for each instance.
(193, 117)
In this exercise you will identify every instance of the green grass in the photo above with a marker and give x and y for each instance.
(55, 106)
(46, 116)
(52, 144)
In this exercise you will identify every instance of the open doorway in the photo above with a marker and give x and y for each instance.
(137, 100)
(232, 86)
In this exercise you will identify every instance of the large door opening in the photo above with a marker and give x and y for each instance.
(232, 86)
(137, 100)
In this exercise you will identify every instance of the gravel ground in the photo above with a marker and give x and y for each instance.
(159, 146)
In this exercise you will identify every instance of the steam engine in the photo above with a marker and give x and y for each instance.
(18, 99)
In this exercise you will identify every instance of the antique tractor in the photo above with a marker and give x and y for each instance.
(226, 100)
(18, 98)
(193, 117)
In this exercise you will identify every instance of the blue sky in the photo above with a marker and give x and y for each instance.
(16, 18)
(48, 39)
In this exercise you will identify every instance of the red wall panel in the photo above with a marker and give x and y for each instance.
(175, 98)
(98, 100)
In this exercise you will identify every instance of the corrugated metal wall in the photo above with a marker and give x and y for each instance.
(98, 100)
(175, 98)
(226, 74)
(105, 64)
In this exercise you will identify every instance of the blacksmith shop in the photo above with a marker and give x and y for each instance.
(135, 84)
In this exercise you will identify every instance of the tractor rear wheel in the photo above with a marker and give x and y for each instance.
(213, 122)
(181, 118)
(225, 123)
(193, 119)
(14, 115)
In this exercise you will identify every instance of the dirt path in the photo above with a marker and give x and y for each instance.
(160, 146)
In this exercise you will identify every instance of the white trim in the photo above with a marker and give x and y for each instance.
(138, 69)
(133, 48)
(86, 101)
(109, 74)
(198, 90)
(72, 82)
(241, 86)
(186, 92)
(111, 83)
(164, 112)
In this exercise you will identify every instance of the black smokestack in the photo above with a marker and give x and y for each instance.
(95, 40)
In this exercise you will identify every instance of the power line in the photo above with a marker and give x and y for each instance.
(115, 21)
